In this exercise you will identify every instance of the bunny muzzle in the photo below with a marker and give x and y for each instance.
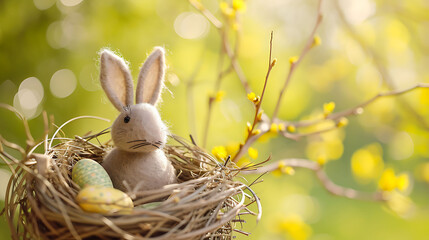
(139, 128)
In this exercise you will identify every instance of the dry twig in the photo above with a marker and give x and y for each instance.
(358, 109)
(294, 65)
(256, 120)
(322, 177)
(378, 63)
(263, 125)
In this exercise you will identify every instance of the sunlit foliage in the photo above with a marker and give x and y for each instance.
(48, 61)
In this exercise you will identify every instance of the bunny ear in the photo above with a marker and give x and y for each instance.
(151, 78)
(116, 80)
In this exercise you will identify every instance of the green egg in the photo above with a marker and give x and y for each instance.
(87, 172)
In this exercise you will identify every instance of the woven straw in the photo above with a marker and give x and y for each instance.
(206, 203)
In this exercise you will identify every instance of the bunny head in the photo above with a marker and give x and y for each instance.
(139, 127)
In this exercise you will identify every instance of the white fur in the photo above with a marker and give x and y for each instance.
(116, 79)
(138, 133)
(153, 171)
(151, 76)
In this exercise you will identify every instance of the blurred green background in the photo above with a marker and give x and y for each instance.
(49, 61)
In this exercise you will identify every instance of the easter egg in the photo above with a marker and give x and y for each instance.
(150, 205)
(104, 200)
(87, 172)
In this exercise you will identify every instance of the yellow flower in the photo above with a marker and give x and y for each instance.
(293, 60)
(424, 96)
(220, 152)
(259, 116)
(253, 153)
(232, 148)
(387, 181)
(256, 132)
(328, 108)
(223, 6)
(249, 127)
(274, 128)
(252, 97)
(219, 96)
(288, 170)
(273, 63)
(291, 128)
(281, 164)
(367, 163)
(295, 227)
(277, 173)
(226, 9)
(342, 122)
(321, 159)
(272, 133)
(316, 41)
(239, 5)
(402, 182)
(283, 169)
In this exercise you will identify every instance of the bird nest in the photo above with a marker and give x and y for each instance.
(206, 203)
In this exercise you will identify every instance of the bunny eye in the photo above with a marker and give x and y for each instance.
(127, 119)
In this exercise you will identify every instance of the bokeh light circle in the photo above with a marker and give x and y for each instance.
(63, 83)
(43, 4)
(70, 3)
(29, 96)
(190, 25)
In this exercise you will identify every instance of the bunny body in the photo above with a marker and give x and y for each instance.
(137, 162)
(139, 170)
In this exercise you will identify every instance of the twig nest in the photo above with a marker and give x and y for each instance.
(206, 202)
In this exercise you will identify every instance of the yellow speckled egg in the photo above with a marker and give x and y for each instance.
(104, 200)
(87, 172)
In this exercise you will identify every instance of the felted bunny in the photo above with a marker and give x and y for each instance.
(137, 162)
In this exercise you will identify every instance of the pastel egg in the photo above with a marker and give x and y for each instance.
(87, 172)
(104, 200)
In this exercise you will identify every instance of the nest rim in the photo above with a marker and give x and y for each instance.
(44, 204)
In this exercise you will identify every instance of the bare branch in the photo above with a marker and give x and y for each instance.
(291, 162)
(246, 145)
(220, 76)
(293, 65)
(322, 177)
(257, 123)
(346, 192)
(196, 4)
(358, 108)
(297, 136)
(250, 135)
(230, 52)
(237, 67)
(385, 75)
